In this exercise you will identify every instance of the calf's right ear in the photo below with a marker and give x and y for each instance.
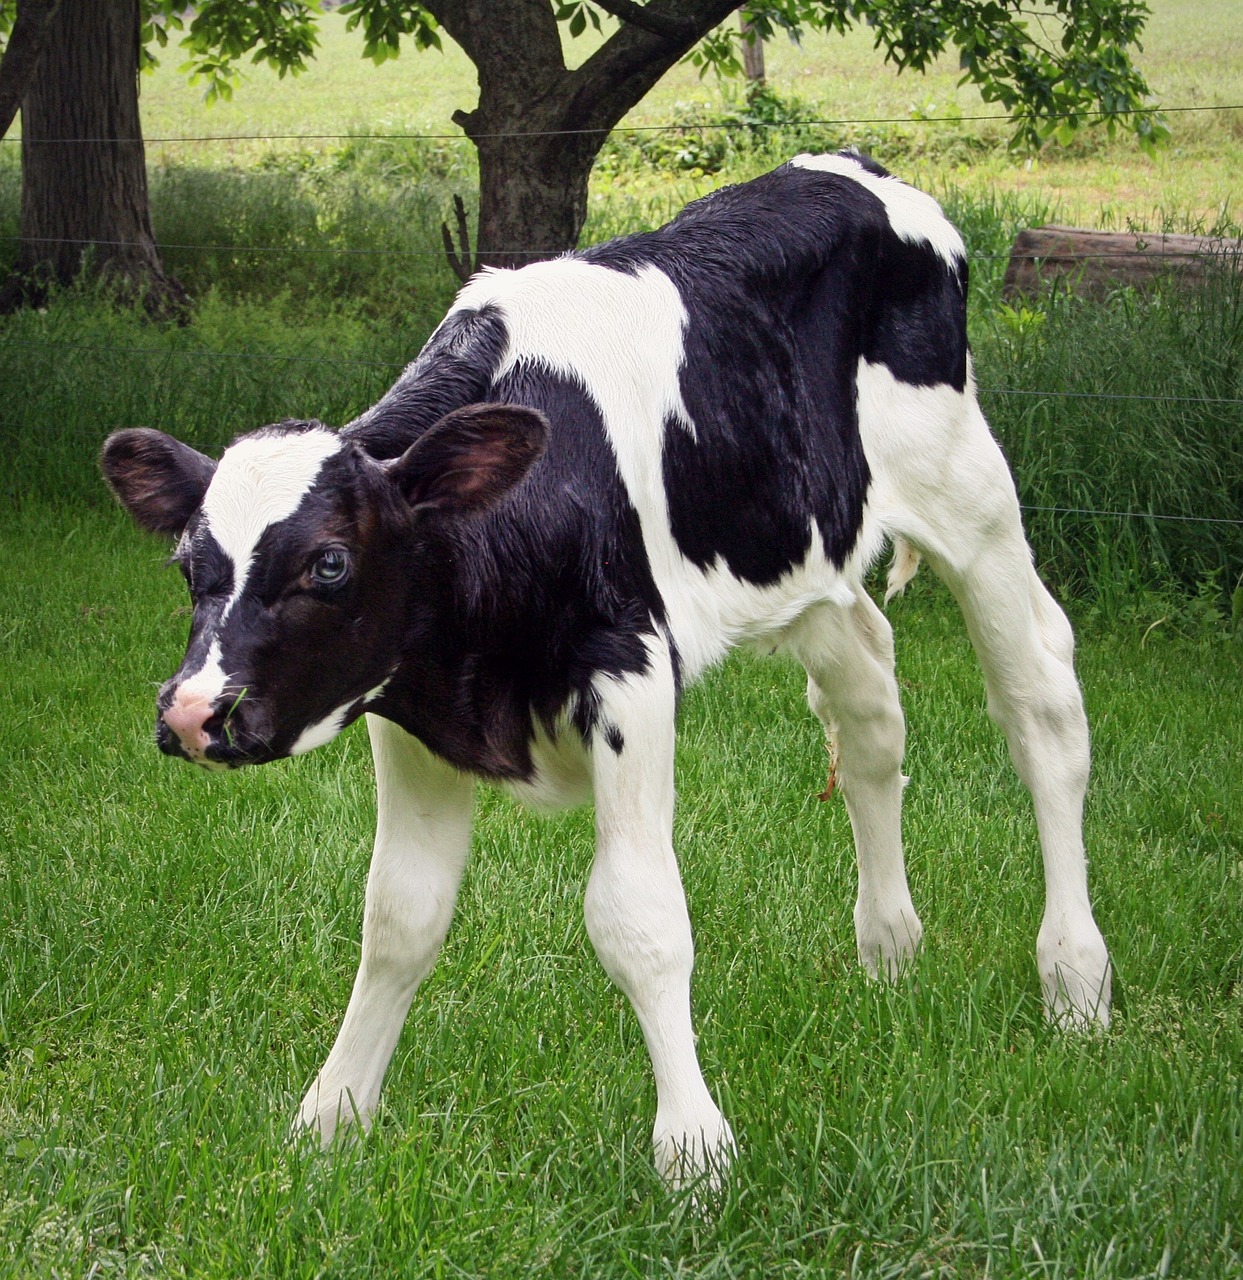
(159, 480)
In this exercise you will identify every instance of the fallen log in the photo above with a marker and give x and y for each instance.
(1091, 263)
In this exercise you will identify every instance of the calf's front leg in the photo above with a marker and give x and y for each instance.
(636, 915)
(423, 820)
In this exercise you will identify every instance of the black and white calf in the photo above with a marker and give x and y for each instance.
(600, 474)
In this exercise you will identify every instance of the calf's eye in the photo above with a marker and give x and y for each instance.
(331, 567)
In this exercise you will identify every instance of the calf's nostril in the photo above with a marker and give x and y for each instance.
(187, 717)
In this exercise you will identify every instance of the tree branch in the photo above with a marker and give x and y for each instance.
(678, 30)
(460, 261)
(633, 58)
(22, 55)
(491, 32)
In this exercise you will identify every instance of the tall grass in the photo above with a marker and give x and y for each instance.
(70, 376)
(351, 234)
(326, 276)
(1133, 406)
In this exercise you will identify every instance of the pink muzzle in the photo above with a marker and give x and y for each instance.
(189, 712)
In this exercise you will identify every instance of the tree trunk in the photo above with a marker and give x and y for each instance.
(84, 175)
(539, 126)
(532, 196)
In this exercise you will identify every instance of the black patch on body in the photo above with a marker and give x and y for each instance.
(454, 369)
(787, 280)
(510, 617)
(515, 613)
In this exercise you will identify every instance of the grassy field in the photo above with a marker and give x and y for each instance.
(1193, 58)
(176, 949)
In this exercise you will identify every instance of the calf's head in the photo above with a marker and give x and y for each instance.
(303, 556)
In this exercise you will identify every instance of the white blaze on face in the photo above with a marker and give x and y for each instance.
(261, 480)
(194, 704)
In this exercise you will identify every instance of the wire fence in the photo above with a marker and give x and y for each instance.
(281, 357)
(198, 353)
(1147, 238)
(669, 127)
(529, 251)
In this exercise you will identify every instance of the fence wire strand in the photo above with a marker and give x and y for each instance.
(1228, 249)
(1132, 515)
(523, 251)
(396, 364)
(637, 128)
(201, 354)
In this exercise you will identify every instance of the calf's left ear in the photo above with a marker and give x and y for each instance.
(471, 458)
(159, 480)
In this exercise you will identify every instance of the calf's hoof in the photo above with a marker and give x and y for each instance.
(887, 944)
(330, 1114)
(689, 1151)
(1076, 975)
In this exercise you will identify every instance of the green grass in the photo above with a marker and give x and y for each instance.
(177, 949)
(1193, 56)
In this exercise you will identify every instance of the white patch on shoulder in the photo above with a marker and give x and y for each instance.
(914, 215)
(620, 337)
(258, 482)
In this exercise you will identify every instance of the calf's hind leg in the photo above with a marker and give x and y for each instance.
(960, 508)
(423, 818)
(1025, 647)
(847, 652)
